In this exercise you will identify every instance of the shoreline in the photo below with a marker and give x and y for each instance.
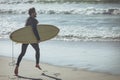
(28, 70)
(59, 66)
(77, 55)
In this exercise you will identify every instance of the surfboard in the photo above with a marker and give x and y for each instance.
(26, 35)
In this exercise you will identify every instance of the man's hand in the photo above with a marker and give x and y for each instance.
(38, 41)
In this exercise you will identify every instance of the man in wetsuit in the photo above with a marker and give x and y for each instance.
(31, 21)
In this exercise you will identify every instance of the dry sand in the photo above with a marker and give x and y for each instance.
(27, 71)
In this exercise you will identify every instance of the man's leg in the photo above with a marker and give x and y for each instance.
(37, 55)
(24, 47)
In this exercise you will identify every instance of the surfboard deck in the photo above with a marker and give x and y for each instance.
(25, 35)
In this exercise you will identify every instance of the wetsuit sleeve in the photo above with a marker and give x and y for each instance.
(35, 31)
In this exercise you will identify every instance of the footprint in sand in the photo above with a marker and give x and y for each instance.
(56, 74)
(45, 71)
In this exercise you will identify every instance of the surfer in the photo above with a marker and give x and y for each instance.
(31, 21)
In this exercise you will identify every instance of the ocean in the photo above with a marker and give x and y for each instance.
(78, 20)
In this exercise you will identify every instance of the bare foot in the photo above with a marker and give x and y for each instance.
(16, 71)
(37, 66)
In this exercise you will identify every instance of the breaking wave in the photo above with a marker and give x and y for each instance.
(86, 34)
(86, 11)
(68, 33)
(51, 1)
(16, 7)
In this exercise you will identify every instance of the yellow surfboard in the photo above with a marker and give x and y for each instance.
(26, 35)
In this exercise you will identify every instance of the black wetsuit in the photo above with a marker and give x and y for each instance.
(33, 23)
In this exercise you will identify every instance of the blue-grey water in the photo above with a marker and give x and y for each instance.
(78, 21)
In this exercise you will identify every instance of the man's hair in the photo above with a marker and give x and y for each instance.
(31, 10)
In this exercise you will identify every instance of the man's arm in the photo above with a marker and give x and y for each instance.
(35, 31)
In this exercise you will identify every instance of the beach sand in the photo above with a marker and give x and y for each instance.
(27, 71)
(51, 52)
